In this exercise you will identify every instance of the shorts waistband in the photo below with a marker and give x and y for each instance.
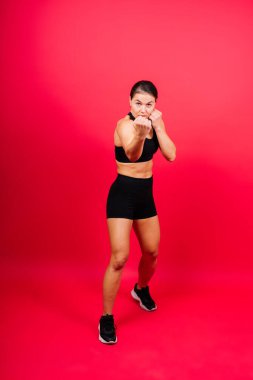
(135, 179)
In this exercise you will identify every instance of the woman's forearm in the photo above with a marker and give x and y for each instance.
(134, 148)
(167, 146)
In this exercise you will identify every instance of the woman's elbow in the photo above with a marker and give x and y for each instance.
(171, 157)
(132, 157)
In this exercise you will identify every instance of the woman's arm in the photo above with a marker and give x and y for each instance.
(132, 136)
(167, 146)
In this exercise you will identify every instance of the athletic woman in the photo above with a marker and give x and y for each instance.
(130, 201)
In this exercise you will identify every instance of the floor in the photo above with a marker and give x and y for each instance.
(49, 318)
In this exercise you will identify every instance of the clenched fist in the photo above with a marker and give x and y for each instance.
(142, 126)
(156, 118)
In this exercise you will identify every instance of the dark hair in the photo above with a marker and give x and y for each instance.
(144, 86)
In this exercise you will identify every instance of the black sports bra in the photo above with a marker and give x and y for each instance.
(149, 148)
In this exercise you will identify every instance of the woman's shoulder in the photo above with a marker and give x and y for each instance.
(124, 127)
(125, 119)
(124, 122)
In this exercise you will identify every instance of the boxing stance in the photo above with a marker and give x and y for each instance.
(130, 202)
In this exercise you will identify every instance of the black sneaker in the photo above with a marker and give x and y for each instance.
(107, 329)
(142, 295)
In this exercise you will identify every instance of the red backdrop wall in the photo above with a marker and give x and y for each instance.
(67, 68)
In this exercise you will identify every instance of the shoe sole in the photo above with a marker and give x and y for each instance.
(136, 298)
(105, 341)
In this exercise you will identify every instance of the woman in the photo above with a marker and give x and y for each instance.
(130, 200)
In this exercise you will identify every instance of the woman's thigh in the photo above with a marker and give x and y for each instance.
(119, 234)
(148, 234)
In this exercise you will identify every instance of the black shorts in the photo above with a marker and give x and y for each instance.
(131, 198)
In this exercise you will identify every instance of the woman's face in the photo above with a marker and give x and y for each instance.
(142, 104)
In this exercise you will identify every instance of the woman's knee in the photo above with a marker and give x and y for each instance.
(151, 253)
(118, 260)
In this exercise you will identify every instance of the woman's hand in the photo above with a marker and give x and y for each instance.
(156, 119)
(142, 126)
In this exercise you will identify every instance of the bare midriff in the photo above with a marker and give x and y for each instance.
(135, 169)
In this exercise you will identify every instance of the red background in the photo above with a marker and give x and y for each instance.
(67, 68)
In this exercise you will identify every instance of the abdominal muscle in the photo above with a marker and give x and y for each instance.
(135, 169)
